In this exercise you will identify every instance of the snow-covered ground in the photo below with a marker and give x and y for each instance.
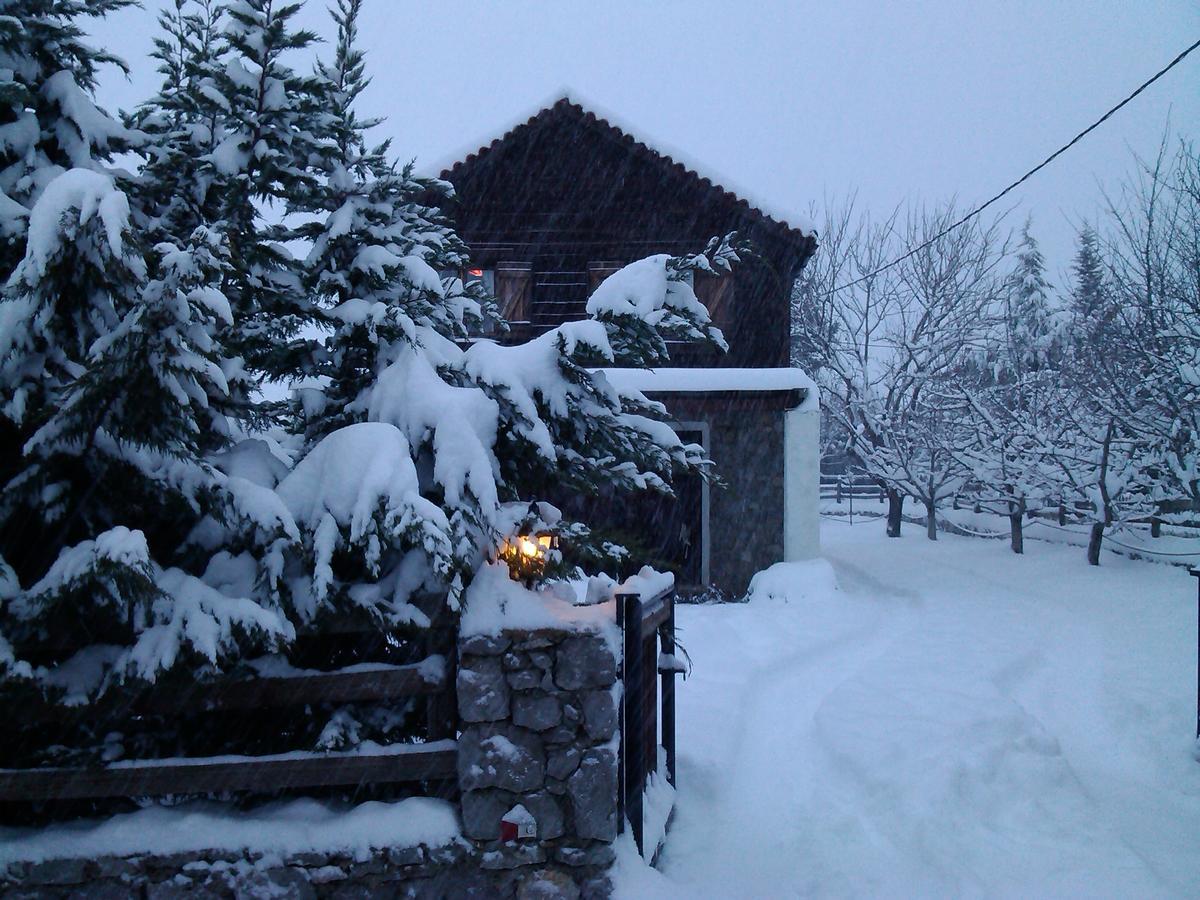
(938, 719)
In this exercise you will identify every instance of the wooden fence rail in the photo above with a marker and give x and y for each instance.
(843, 487)
(433, 679)
(197, 775)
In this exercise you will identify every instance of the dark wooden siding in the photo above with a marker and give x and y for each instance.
(568, 194)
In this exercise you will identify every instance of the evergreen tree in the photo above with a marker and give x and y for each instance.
(180, 188)
(1090, 299)
(122, 388)
(274, 125)
(49, 119)
(81, 273)
(1031, 341)
(180, 191)
(140, 527)
(397, 513)
(491, 428)
(377, 251)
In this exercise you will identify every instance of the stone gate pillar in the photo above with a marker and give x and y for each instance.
(538, 752)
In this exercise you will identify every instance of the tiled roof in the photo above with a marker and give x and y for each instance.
(565, 107)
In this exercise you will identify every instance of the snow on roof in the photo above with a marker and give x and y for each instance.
(689, 380)
(791, 219)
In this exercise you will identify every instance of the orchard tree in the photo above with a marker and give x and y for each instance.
(1154, 269)
(895, 337)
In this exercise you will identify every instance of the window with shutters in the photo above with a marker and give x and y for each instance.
(513, 286)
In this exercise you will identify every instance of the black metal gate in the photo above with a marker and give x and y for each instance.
(644, 622)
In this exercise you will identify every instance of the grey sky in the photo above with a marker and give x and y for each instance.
(791, 101)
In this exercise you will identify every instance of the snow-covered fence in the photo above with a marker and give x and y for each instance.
(434, 760)
(843, 487)
(552, 747)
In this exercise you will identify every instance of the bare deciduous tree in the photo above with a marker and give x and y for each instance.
(886, 348)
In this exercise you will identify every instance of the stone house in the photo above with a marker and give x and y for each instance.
(556, 204)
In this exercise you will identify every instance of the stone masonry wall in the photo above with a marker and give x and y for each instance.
(539, 730)
(746, 515)
(409, 872)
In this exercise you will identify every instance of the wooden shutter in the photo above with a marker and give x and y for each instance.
(513, 286)
(598, 271)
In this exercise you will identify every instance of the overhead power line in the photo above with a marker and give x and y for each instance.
(1045, 162)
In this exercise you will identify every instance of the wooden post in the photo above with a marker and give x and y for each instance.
(620, 604)
(442, 709)
(668, 693)
(632, 779)
(635, 768)
(649, 704)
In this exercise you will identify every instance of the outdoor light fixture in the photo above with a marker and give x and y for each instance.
(526, 555)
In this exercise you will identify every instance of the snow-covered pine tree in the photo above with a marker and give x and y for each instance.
(377, 254)
(50, 121)
(182, 550)
(1090, 300)
(469, 437)
(1031, 331)
(178, 195)
(179, 188)
(121, 381)
(470, 440)
(274, 125)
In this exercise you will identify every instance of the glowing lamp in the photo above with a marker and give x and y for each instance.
(526, 555)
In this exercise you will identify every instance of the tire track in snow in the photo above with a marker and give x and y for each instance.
(760, 794)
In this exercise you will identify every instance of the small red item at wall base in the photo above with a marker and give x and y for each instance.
(518, 823)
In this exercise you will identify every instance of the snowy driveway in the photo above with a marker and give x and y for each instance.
(946, 720)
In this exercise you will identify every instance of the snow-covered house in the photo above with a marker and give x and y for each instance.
(561, 201)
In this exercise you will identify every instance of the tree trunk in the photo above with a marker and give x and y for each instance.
(1094, 539)
(1016, 527)
(895, 510)
(931, 521)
